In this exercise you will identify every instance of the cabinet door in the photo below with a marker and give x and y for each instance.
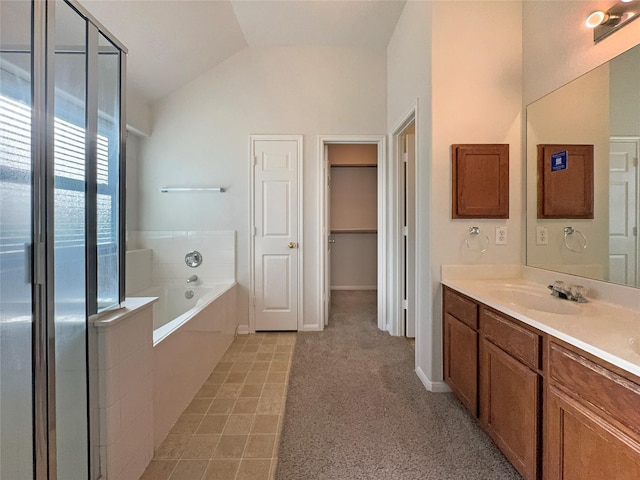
(580, 445)
(461, 361)
(509, 407)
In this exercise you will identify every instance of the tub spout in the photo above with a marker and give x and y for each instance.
(192, 278)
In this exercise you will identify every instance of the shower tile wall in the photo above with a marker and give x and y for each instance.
(170, 247)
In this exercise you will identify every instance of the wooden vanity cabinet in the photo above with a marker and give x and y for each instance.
(511, 389)
(460, 323)
(591, 418)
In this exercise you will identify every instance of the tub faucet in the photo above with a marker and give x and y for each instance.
(192, 278)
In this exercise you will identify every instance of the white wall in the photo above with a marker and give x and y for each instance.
(132, 185)
(472, 94)
(201, 137)
(558, 48)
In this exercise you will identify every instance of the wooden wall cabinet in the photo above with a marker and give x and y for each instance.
(480, 181)
(565, 191)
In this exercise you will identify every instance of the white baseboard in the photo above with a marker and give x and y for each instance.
(354, 287)
(242, 330)
(311, 328)
(435, 387)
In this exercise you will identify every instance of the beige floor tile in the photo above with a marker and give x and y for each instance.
(247, 356)
(223, 366)
(222, 470)
(264, 357)
(254, 469)
(236, 377)
(274, 467)
(198, 405)
(284, 348)
(187, 423)
(286, 339)
(173, 446)
(229, 390)
(216, 378)
(267, 348)
(189, 470)
(259, 446)
(269, 406)
(260, 366)
(276, 377)
(246, 405)
(230, 446)
(252, 347)
(200, 446)
(159, 470)
(251, 390)
(279, 366)
(270, 340)
(212, 424)
(221, 406)
(238, 424)
(208, 390)
(255, 339)
(266, 424)
(243, 367)
(282, 357)
(273, 390)
(256, 377)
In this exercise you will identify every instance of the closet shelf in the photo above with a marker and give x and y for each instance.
(354, 230)
(354, 165)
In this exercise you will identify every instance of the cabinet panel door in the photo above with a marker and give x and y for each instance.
(461, 361)
(509, 407)
(580, 445)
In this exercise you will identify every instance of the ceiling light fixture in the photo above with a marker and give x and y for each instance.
(604, 23)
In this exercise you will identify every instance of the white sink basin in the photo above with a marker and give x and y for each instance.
(542, 302)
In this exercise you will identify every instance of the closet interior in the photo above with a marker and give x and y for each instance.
(353, 216)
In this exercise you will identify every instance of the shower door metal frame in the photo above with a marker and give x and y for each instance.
(42, 251)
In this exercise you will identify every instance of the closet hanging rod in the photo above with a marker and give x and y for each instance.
(192, 189)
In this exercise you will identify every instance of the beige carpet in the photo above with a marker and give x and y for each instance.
(356, 410)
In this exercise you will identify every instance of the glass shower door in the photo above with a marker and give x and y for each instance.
(16, 304)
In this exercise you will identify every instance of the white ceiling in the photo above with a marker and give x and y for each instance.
(171, 42)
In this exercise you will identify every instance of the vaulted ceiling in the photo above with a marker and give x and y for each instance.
(171, 42)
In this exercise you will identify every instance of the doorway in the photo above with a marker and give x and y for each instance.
(404, 225)
(353, 229)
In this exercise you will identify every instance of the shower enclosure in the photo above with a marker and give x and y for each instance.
(61, 227)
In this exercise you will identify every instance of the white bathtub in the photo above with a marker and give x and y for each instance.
(190, 336)
(173, 308)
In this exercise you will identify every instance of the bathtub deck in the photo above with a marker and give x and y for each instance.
(231, 429)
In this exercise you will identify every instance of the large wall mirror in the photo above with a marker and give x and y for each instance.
(600, 109)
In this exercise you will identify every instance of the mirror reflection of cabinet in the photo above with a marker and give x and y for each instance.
(354, 216)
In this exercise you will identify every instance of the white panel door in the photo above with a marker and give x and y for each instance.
(276, 234)
(623, 210)
(409, 235)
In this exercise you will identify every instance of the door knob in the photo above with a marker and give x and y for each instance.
(292, 245)
(332, 241)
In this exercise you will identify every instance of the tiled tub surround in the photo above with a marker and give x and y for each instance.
(145, 383)
(607, 330)
(125, 389)
(170, 247)
(230, 430)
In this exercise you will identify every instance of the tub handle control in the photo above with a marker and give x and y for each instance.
(293, 244)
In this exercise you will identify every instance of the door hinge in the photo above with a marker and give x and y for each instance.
(635, 231)
(405, 157)
(635, 161)
(405, 304)
(405, 231)
(255, 231)
(40, 269)
(255, 160)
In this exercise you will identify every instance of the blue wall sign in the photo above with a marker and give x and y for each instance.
(559, 161)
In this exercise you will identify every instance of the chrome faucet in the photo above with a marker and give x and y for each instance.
(192, 278)
(575, 293)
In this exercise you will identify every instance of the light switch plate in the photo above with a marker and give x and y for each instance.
(501, 235)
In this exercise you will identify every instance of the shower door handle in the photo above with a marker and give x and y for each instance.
(293, 244)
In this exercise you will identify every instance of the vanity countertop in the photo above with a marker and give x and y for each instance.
(603, 329)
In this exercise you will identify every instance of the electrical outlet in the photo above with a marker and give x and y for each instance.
(501, 235)
(542, 236)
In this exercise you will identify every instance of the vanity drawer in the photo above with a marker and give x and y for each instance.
(512, 338)
(462, 308)
(595, 385)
